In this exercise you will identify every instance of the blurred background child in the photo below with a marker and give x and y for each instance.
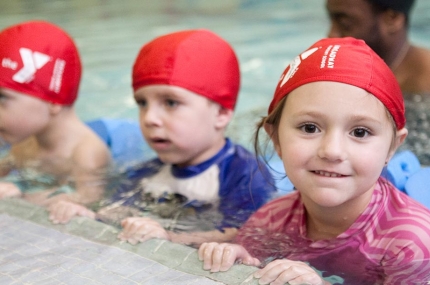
(51, 149)
(336, 119)
(186, 86)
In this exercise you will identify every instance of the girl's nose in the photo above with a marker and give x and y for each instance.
(332, 147)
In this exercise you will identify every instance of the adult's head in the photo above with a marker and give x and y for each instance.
(382, 24)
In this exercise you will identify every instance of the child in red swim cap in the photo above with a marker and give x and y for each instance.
(336, 118)
(186, 85)
(40, 74)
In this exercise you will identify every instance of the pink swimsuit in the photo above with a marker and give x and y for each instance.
(389, 243)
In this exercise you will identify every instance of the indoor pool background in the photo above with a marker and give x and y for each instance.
(266, 35)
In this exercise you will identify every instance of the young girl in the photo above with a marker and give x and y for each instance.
(336, 118)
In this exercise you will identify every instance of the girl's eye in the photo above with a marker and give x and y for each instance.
(360, 132)
(309, 128)
(141, 102)
(171, 103)
(2, 97)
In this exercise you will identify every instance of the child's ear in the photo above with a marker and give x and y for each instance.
(399, 139)
(273, 134)
(224, 117)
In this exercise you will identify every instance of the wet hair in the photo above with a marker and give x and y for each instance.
(274, 119)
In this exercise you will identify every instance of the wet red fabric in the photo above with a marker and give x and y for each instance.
(197, 60)
(40, 59)
(345, 60)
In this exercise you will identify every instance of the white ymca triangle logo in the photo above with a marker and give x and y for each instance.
(32, 62)
(294, 65)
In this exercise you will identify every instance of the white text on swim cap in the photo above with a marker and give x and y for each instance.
(294, 65)
(57, 76)
(330, 54)
(32, 61)
(9, 63)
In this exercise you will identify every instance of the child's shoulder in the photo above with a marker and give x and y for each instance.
(402, 205)
(24, 151)
(90, 150)
(284, 205)
(236, 154)
(405, 217)
(235, 160)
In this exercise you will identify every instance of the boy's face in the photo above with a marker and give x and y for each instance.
(182, 127)
(21, 116)
(334, 140)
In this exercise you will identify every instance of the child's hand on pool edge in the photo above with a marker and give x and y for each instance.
(221, 256)
(140, 229)
(8, 190)
(61, 212)
(283, 271)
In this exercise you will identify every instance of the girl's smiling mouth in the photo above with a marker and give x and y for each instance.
(328, 174)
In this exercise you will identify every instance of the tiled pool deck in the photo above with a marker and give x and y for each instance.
(35, 251)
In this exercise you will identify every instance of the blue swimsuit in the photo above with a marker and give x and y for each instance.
(232, 182)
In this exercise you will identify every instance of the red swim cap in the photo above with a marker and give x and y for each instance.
(41, 60)
(197, 60)
(346, 60)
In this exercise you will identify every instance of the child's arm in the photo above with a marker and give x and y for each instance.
(90, 171)
(221, 256)
(62, 211)
(6, 164)
(89, 163)
(140, 229)
(9, 189)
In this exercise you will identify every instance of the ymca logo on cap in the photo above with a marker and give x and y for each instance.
(294, 65)
(32, 61)
(36, 58)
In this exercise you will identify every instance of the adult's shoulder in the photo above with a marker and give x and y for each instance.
(414, 73)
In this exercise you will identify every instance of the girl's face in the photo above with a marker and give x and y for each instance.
(21, 115)
(182, 127)
(334, 139)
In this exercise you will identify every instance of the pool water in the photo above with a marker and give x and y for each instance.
(266, 35)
